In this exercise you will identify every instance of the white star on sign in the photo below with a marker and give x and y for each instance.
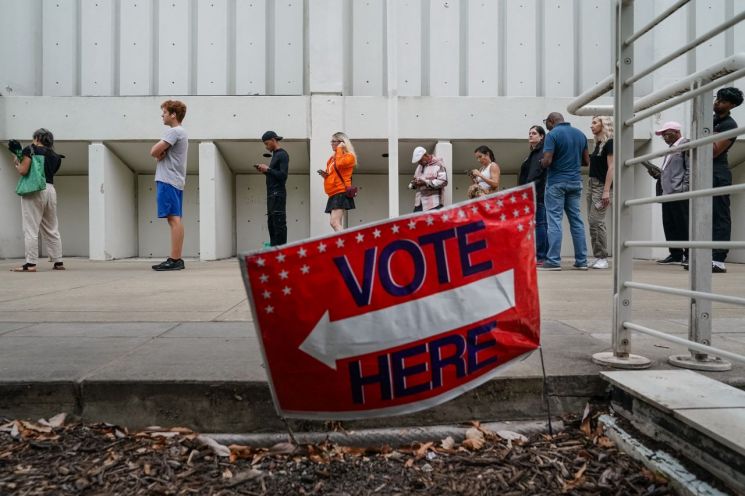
(287, 290)
(520, 227)
(304, 269)
(269, 309)
(487, 206)
(322, 247)
(525, 195)
(395, 229)
(526, 209)
(513, 199)
(430, 221)
(283, 274)
(500, 203)
(516, 213)
(445, 217)
(461, 214)
(475, 209)
(266, 294)
(376, 233)
(302, 252)
(339, 243)
(412, 224)
(503, 217)
(281, 257)
(263, 278)
(260, 262)
(360, 237)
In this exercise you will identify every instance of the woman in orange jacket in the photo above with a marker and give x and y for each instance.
(337, 178)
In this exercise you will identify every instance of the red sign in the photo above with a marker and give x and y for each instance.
(399, 315)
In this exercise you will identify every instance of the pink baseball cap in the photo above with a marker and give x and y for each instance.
(668, 126)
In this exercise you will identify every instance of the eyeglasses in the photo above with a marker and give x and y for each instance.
(335, 142)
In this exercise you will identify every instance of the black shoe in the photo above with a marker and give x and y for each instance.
(170, 264)
(670, 260)
(684, 263)
(716, 269)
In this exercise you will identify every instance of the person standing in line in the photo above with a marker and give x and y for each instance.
(600, 183)
(170, 179)
(486, 179)
(39, 209)
(726, 100)
(564, 153)
(430, 177)
(337, 178)
(673, 177)
(532, 172)
(276, 190)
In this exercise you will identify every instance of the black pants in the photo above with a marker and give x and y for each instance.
(276, 212)
(675, 224)
(721, 220)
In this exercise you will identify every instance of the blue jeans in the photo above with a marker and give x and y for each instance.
(565, 197)
(541, 235)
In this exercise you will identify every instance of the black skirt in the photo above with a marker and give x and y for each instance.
(339, 201)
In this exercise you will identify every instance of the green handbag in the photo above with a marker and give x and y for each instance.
(35, 180)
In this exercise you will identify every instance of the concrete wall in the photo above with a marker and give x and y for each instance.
(11, 231)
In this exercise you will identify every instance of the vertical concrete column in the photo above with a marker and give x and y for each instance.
(327, 117)
(112, 212)
(444, 150)
(216, 204)
(11, 229)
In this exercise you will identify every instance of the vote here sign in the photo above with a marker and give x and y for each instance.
(399, 315)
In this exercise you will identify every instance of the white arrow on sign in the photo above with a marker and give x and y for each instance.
(411, 321)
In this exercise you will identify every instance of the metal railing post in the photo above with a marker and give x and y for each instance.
(623, 184)
(700, 222)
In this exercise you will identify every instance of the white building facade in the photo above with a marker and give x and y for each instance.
(448, 75)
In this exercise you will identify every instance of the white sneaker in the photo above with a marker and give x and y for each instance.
(600, 263)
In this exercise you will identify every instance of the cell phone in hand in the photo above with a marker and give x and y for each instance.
(321, 172)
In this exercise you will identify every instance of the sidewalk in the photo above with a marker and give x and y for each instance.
(118, 342)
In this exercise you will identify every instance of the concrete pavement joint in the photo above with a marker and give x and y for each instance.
(121, 357)
(22, 326)
(216, 319)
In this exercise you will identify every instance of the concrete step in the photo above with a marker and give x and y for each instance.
(701, 418)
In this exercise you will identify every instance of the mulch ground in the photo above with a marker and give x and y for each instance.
(52, 457)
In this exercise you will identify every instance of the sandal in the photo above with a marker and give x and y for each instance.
(58, 266)
(27, 267)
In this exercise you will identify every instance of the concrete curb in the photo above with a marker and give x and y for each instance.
(240, 406)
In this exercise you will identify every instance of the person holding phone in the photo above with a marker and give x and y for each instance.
(337, 177)
(276, 190)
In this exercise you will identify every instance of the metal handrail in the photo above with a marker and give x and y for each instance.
(724, 71)
(686, 48)
(710, 350)
(697, 87)
(687, 146)
(729, 245)
(734, 300)
(723, 190)
(664, 15)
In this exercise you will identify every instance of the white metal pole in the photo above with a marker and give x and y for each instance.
(392, 66)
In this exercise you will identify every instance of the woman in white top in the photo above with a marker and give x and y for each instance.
(486, 179)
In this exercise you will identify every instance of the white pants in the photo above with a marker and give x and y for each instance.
(39, 212)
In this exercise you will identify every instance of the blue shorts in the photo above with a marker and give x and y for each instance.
(169, 200)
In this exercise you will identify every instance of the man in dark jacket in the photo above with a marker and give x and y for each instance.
(276, 192)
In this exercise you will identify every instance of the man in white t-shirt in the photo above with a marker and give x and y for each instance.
(170, 178)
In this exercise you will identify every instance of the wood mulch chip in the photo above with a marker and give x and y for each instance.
(54, 457)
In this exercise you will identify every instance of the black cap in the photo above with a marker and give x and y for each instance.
(270, 135)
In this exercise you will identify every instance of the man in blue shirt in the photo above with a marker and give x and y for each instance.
(564, 153)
